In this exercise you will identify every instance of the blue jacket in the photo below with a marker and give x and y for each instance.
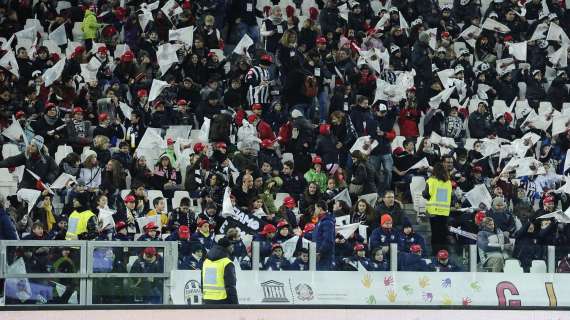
(412, 262)
(190, 263)
(275, 263)
(382, 238)
(449, 267)
(377, 266)
(207, 242)
(264, 245)
(7, 228)
(405, 241)
(324, 236)
(299, 265)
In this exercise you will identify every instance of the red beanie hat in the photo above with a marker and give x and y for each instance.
(385, 218)
(313, 13)
(508, 117)
(290, 11)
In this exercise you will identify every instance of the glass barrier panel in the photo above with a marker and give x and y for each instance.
(39, 291)
(562, 259)
(43, 259)
(147, 290)
(128, 259)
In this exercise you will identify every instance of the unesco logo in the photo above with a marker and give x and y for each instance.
(273, 291)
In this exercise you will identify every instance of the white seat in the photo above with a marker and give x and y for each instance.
(512, 266)
(62, 152)
(178, 195)
(538, 266)
(279, 199)
(153, 194)
(124, 193)
(132, 260)
(195, 205)
(77, 33)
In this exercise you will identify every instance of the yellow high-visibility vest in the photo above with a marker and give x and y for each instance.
(77, 224)
(213, 285)
(439, 201)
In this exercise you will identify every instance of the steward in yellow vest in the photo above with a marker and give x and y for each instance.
(438, 195)
(82, 223)
(219, 275)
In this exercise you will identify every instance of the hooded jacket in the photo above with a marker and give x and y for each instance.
(216, 253)
(89, 25)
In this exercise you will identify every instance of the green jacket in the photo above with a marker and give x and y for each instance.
(319, 178)
(89, 25)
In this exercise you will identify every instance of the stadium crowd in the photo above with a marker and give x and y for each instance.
(324, 101)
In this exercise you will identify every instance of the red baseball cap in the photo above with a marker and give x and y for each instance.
(256, 106)
(150, 251)
(321, 40)
(282, 224)
(182, 102)
(183, 232)
(269, 228)
(103, 117)
(442, 254)
(317, 160)
(358, 247)
(130, 198)
(415, 248)
(309, 227)
(128, 56)
(289, 202)
(20, 114)
(77, 110)
(266, 58)
(142, 93)
(199, 147)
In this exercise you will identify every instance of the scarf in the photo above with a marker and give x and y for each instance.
(276, 20)
(50, 218)
(50, 120)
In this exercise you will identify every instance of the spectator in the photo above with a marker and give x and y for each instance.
(324, 236)
(493, 246)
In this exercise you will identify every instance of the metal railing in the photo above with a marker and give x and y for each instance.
(87, 276)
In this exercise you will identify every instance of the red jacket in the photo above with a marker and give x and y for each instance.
(264, 131)
(408, 122)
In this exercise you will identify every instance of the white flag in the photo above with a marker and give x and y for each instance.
(145, 18)
(167, 56)
(346, 231)
(243, 44)
(10, 63)
(53, 73)
(185, 35)
(479, 194)
(493, 25)
(344, 196)
(556, 33)
(30, 196)
(156, 89)
(171, 8)
(343, 11)
(59, 36)
(518, 50)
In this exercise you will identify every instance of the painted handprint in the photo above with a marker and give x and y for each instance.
(428, 296)
(423, 282)
(446, 300)
(371, 299)
(408, 289)
(446, 283)
(475, 286)
(366, 280)
(466, 301)
(388, 281)
(391, 295)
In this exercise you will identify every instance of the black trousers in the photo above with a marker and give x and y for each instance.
(225, 301)
(439, 233)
